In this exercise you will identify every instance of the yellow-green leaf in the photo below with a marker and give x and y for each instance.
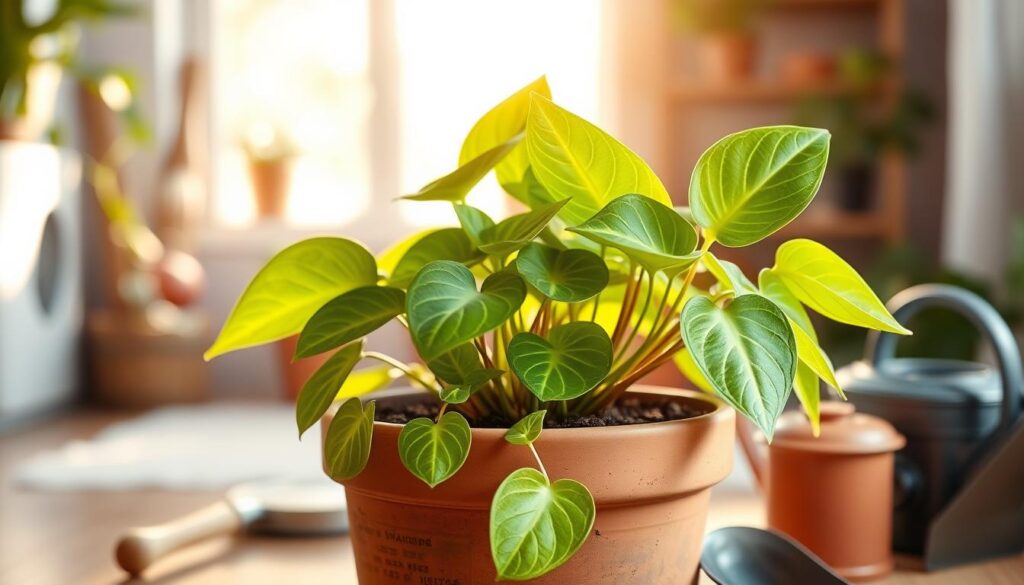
(457, 184)
(434, 452)
(368, 380)
(826, 283)
(811, 355)
(498, 126)
(751, 183)
(687, 367)
(729, 275)
(389, 258)
(808, 391)
(573, 158)
(290, 288)
(527, 430)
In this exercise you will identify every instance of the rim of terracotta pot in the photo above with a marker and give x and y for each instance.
(694, 461)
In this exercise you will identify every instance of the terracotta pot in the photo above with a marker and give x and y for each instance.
(833, 493)
(809, 67)
(295, 373)
(728, 56)
(651, 484)
(271, 181)
(43, 82)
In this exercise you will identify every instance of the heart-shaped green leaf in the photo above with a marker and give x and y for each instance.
(347, 444)
(826, 283)
(515, 232)
(455, 366)
(319, 391)
(290, 288)
(445, 309)
(729, 276)
(434, 452)
(750, 184)
(457, 184)
(348, 317)
(497, 126)
(569, 363)
(569, 276)
(446, 244)
(535, 525)
(527, 430)
(746, 351)
(573, 158)
(645, 230)
(687, 367)
(459, 393)
(473, 221)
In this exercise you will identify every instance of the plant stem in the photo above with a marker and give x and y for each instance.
(540, 463)
(597, 299)
(640, 319)
(405, 369)
(628, 303)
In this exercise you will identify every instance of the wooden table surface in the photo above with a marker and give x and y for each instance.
(55, 538)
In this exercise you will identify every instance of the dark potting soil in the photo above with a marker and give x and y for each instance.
(629, 411)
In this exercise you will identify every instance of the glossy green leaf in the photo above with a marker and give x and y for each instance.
(348, 317)
(746, 351)
(445, 309)
(435, 452)
(573, 158)
(687, 367)
(473, 221)
(573, 359)
(569, 276)
(496, 127)
(319, 391)
(808, 391)
(366, 380)
(446, 244)
(751, 183)
(457, 184)
(729, 275)
(535, 525)
(347, 444)
(475, 380)
(456, 365)
(513, 233)
(826, 283)
(645, 230)
(290, 288)
(527, 430)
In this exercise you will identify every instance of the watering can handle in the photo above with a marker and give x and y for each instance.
(882, 346)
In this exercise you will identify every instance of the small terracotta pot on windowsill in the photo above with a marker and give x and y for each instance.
(271, 181)
(728, 56)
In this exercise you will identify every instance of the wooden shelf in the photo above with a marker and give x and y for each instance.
(754, 90)
(835, 223)
(825, 4)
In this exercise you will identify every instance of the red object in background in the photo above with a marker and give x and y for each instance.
(295, 373)
(181, 277)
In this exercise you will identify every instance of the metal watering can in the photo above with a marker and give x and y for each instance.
(953, 413)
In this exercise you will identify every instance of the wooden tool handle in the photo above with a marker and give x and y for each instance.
(142, 546)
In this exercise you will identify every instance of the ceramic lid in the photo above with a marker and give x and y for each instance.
(843, 431)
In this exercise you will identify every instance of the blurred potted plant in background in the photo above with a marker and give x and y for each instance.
(726, 33)
(863, 127)
(269, 152)
(35, 49)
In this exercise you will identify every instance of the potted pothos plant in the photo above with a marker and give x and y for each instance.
(528, 446)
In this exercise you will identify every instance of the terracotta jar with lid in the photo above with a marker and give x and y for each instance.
(833, 493)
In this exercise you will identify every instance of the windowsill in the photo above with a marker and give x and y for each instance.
(267, 237)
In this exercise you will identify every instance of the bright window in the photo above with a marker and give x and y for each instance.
(306, 68)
